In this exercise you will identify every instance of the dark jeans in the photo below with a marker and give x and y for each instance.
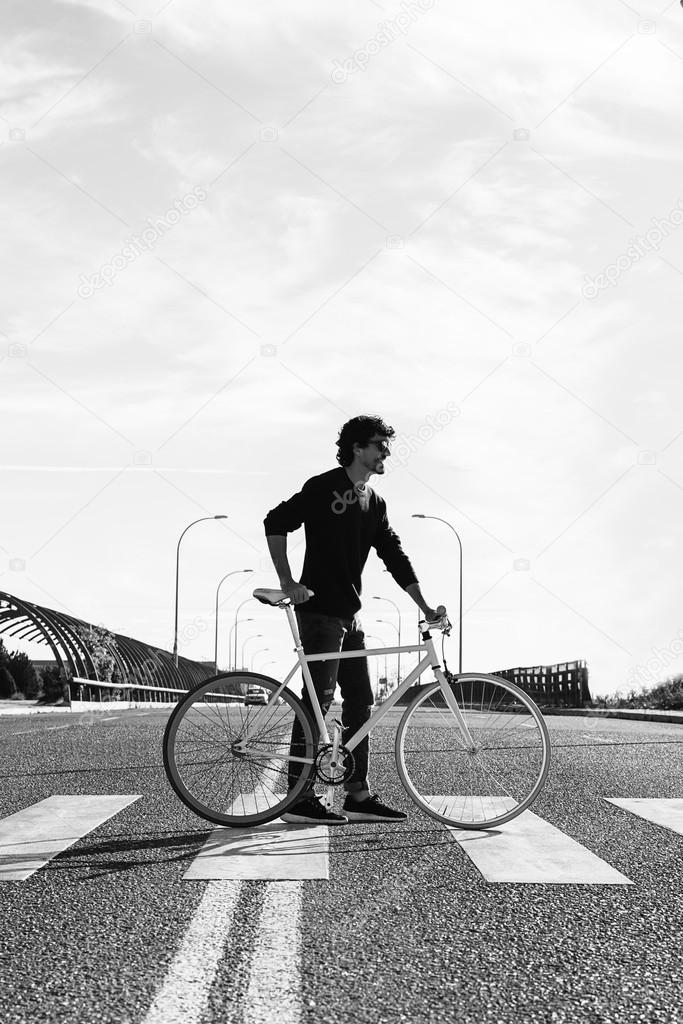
(321, 633)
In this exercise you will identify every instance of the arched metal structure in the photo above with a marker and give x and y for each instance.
(136, 661)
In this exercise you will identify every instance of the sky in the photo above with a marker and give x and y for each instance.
(230, 228)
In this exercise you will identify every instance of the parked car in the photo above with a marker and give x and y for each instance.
(255, 695)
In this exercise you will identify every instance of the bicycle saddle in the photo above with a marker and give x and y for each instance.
(267, 596)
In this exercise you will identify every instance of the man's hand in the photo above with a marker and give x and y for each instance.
(296, 592)
(432, 614)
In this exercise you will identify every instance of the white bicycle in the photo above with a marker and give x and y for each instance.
(472, 750)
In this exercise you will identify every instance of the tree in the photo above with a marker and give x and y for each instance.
(101, 646)
(8, 688)
(24, 674)
(54, 685)
(4, 655)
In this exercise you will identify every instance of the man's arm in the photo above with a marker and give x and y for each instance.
(285, 518)
(388, 547)
(430, 613)
(277, 546)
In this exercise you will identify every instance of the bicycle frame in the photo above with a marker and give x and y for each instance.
(429, 660)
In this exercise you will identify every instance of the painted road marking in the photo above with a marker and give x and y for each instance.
(30, 838)
(665, 812)
(529, 849)
(183, 998)
(275, 851)
(274, 992)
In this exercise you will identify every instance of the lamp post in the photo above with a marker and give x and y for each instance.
(253, 637)
(246, 601)
(215, 653)
(419, 635)
(230, 637)
(260, 651)
(380, 643)
(387, 623)
(177, 573)
(398, 616)
(417, 515)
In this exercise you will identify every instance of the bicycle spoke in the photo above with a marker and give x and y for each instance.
(484, 783)
(207, 750)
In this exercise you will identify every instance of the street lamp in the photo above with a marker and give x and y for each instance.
(260, 651)
(233, 573)
(255, 635)
(398, 616)
(246, 601)
(387, 623)
(417, 515)
(232, 628)
(177, 571)
(380, 643)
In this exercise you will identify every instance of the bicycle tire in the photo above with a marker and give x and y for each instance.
(436, 768)
(210, 776)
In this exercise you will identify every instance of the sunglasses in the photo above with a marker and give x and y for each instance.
(381, 445)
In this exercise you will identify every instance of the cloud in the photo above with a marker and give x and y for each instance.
(303, 289)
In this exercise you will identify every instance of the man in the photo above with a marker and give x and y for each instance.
(343, 519)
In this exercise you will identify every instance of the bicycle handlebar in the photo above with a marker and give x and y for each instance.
(443, 623)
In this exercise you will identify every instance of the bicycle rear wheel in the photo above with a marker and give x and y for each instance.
(486, 783)
(228, 760)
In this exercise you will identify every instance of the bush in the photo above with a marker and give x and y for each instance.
(666, 696)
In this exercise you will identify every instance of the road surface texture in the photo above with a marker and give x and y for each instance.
(407, 922)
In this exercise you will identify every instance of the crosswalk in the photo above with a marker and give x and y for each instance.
(526, 849)
(31, 838)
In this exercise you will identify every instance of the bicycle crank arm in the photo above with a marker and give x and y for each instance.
(243, 751)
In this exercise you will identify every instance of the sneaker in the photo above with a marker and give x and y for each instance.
(310, 811)
(371, 809)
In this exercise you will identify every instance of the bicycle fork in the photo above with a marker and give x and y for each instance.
(455, 708)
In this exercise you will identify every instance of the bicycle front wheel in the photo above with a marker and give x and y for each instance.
(228, 757)
(481, 780)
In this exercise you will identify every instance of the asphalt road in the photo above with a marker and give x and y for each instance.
(405, 929)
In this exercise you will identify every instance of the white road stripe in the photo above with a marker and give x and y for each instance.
(529, 849)
(30, 838)
(665, 812)
(275, 851)
(274, 992)
(184, 995)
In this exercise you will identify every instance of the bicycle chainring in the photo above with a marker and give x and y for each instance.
(334, 775)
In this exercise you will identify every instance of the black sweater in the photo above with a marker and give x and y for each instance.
(340, 530)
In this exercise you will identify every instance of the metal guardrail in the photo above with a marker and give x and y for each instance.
(79, 685)
(132, 688)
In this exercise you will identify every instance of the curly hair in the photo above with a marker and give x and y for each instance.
(359, 430)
